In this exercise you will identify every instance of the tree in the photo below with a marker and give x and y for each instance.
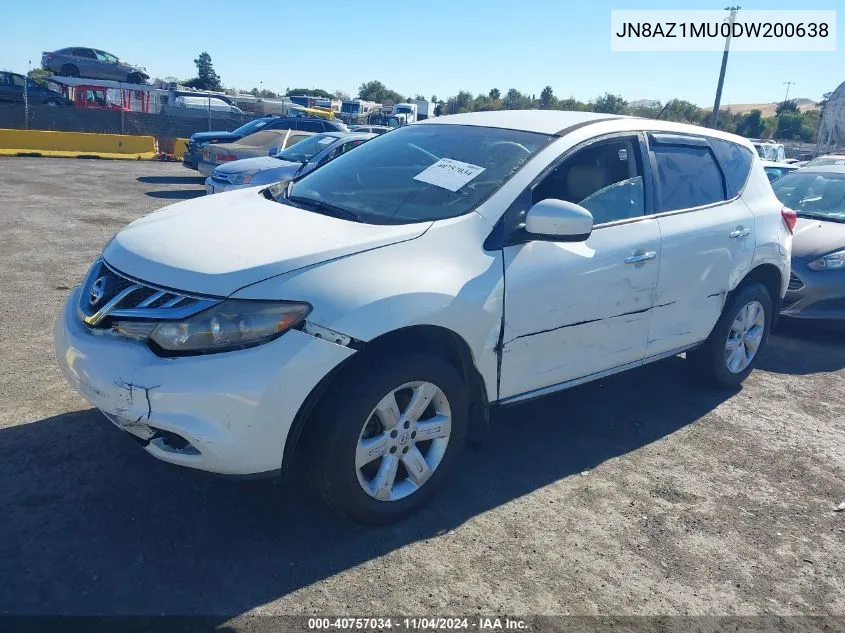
(39, 76)
(683, 112)
(314, 92)
(547, 97)
(570, 103)
(206, 78)
(787, 107)
(341, 95)
(434, 98)
(751, 125)
(263, 94)
(515, 100)
(378, 92)
(610, 104)
(495, 94)
(823, 103)
(789, 126)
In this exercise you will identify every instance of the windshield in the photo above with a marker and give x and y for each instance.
(403, 109)
(252, 126)
(352, 108)
(421, 172)
(813, 195)
(307, 149)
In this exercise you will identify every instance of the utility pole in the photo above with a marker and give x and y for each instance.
(714, 119)
(787, 84)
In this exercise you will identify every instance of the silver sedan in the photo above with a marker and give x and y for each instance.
(294, 161)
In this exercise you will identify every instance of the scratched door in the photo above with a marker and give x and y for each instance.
(572, 310)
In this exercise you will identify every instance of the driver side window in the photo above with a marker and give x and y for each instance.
(605, 178)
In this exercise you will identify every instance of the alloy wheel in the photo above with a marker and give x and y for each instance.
(745, 337)
(403, 441)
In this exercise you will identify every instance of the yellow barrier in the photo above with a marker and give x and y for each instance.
(180, 146)
(76, 144)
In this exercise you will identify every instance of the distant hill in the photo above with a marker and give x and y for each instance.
(768, 109)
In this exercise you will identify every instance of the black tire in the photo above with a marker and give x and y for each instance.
(134, 78)
(69, 70)
(709, 359)
(332, 434)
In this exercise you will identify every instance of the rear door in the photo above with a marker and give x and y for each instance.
(707, 234)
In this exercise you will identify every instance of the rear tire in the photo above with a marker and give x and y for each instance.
(731, 351)
(354, 423)
(69, 70)
(134, 78)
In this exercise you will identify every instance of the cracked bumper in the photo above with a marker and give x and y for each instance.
(234, 408)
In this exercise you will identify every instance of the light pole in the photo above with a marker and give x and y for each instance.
(787, 84)
(714, 119)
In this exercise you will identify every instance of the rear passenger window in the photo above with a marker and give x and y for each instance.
(736, 161)
(688, 176)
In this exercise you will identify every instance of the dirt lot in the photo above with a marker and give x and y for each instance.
(640, 494)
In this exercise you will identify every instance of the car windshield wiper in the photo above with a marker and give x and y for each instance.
(325, 207)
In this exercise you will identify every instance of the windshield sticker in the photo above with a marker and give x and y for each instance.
(449, 174)
(326, 141)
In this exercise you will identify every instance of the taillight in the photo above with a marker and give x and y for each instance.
(222, 158)
(790, 219)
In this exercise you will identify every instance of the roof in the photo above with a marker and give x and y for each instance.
(541, 121)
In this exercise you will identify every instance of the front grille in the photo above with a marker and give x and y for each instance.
(107, 293)
(795, 282)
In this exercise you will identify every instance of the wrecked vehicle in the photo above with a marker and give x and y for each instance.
(365, 317)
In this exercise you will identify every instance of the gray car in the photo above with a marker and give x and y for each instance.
(79, 61)
(817, 284)
(288, 163)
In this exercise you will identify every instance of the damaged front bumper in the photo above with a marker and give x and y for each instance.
(228, 413)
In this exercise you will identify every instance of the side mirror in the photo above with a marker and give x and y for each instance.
(558, 221)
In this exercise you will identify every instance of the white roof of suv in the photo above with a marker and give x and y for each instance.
(542, 121)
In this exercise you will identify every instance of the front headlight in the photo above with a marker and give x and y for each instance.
(243, 178)
(228, 325)
(834, 261)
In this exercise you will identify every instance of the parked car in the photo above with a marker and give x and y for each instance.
(78, 61)
(360, 320)
(205, 104)
(261, 143)
(372, 129)
(12, 88)
(826, 159)
(288, 163)
(193, 154)
(817, 283)
(775, 170)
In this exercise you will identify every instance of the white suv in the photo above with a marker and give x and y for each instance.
(367, 315)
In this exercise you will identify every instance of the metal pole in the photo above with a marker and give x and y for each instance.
(209, 112)
(26, 97)
(787, 84)
(714, 118)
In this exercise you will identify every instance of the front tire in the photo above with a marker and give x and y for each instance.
(69, 70)
(386, 438)
(731, 351)
(134, 78)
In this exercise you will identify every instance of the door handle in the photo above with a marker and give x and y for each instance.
(641, 257)
(740, 231)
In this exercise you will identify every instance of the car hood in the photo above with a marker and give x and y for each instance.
(259, 163)
(217, 244)
(215, 137)
(814, 238)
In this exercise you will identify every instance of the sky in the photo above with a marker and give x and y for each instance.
(431, 47)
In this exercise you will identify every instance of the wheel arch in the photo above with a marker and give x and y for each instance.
(434, 339)
(771, 278)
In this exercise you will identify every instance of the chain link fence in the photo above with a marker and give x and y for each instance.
(164, 127)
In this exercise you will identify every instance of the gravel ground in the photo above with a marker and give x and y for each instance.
(640, 494)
